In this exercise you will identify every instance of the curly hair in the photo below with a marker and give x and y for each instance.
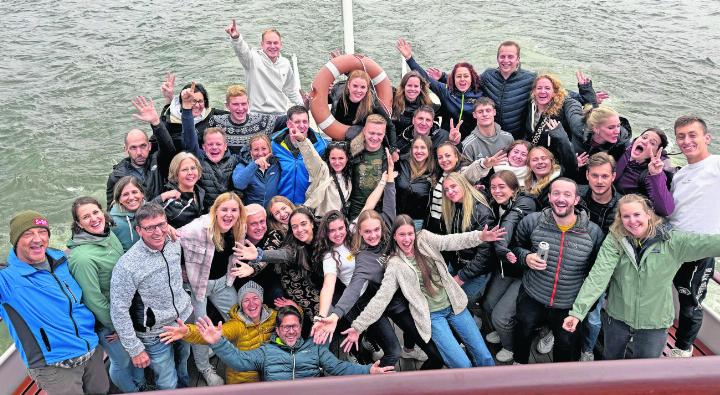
(559, 94)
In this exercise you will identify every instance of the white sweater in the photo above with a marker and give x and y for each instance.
(695, 190)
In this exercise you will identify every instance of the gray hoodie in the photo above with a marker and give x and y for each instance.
(156, 278)
(476, 146)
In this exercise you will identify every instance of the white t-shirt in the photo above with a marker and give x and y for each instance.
(347, 264)
(696, 190)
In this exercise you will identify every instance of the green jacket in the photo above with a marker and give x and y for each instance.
(640, 295)
(92, 259)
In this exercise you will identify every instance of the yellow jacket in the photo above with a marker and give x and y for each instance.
(244, 334)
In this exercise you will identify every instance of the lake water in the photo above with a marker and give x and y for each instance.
(70, 68)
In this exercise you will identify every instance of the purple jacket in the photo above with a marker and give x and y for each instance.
(633, 177)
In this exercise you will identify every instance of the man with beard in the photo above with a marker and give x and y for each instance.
(549, 287)
(139, 163)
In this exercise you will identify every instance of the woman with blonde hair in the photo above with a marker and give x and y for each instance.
(543, 169)
(465, 209)
(606, 132)
(183, 197)
(207, 243)
(258, 178)
(636, 264)
(553, 120)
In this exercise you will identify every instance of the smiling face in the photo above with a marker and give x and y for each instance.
(447, 159)
(289, 330)
(337, 232)
(198, 104)
(32, 244)
(153, 231)
(405, 238)
(500, 191)
(607, 131)
(371, 231)
(563, 198)
(644, 146)
(422, 123)
(251, 305)
(420, 151)
(338, 159)
(131, 198)
(508, 60)
(256, 226)
(693, 141)
(227, 214)
(374, 134)
(518, 155)
(453, 191)
(91, 218)
(357, 88)
(302, 228)
(543, 92)
(412, 89)
(635, 219)
(258, 149)
(281, 212)
(238, 107)
(462, 79)
(214, 146)
(187, 175)
(540, 163)
(271, 45)
(299, 122)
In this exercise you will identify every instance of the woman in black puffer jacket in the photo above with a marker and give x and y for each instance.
(416, 180)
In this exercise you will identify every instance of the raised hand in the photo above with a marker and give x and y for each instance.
(351, 340)
(283, 302)
(188, 97)
(146, 111)
(245, 250)
(570, 323)
(335, 53)
(263, 162)
(296, 134)
(582, 159)
(493, 234)
(390, 165)
(455, 131)
(377, 369)
(168, 87)
(552, 124)
(404, 47)
(232, 30)
(582, 79)
(656, 164)
(209, 333)
(434, 73)
(498, 158)
(173, 333)
(601, 96)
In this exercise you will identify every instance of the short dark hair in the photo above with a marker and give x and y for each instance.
(148, 210)
(296, 110)
(483, 101)
(81, 201)
(286, 311)
(687, 120)
(509, 43)
(424, 108)
(661, 134)
(551, 184)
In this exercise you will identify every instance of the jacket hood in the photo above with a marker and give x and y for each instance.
(275, 339)
(84, 238)
(408, 134)
(119, 211)
(237, 313)
(176, 111)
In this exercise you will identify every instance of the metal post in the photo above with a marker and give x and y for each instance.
(348, 36)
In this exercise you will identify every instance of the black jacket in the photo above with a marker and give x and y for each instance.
(602, 215)
(513, 213)
(413, 197)
(510, 96)
(182, 211)
(480, 260)
(152, 183)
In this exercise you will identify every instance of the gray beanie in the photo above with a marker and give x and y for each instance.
(250, 286)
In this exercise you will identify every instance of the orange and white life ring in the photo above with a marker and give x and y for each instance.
(326, 76)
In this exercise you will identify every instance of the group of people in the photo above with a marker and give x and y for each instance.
(507, 201)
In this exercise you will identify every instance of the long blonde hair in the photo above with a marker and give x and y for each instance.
(470, 196)
(559, 94)
(272, 223)
(238, 229)
(418, 169)
(543, 182)
(358, 242)
(365, 106)
(618, 230)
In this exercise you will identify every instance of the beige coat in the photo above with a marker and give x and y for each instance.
(322, 194)
(400, 274)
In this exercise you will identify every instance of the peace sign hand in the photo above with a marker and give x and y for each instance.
(168, 87)
(232, 31)
(188, 97)
(455, 131)
(656, 164)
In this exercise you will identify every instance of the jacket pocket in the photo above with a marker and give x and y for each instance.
(45, 339)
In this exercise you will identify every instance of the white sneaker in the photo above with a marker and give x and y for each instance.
(587, 356)
(546, 343)
(504, 356)
(679, 353)
(377, 352)
(212, 378)
(416, 353)
(493, 337)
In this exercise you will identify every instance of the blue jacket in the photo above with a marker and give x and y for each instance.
(510, 96)
(276, 361)
(44, 312)
(256, 186)
(294, 180)
(124, 227)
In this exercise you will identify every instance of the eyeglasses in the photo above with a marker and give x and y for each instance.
(152, 228)
(198, 102)
(288, 328)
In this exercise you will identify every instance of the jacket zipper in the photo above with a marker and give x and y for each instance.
(557, 270)
(70, 308)
(172, 294)
(292, 352)
(130, 226)
(71, 292)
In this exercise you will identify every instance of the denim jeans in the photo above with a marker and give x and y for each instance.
(168, 362)
(500, 302)
(647, 343)
(223, 297)
(123, 374)
(467, 331)
(473, 287)
(383, 333)
(410, 335)
(591, 326)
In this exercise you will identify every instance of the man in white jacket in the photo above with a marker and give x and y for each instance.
(269, 76)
